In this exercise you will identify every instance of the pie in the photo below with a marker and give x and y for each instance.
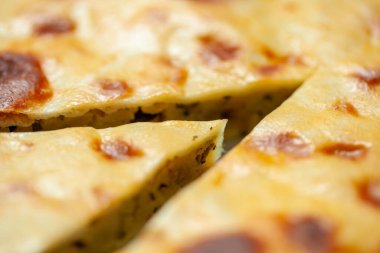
(305, 180)
(87, 190)
(86, 63)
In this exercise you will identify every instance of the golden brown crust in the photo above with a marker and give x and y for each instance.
(305, 180)
(87, 190)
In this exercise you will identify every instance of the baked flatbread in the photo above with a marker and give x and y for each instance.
(87, 190)
(306, 180)
(79, 62)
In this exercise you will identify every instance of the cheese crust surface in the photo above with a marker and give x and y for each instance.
(305, 180)
(80, 62)
(87, 190)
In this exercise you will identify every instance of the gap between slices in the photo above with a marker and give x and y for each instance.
(306, 179)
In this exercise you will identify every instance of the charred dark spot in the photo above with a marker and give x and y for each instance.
(345, 107)
(195, 137)
(121, 234)
(288, 143)
(152, 197)
(369, 192)
(201, 157)
(268, 97)
(36, 127)
(244, 133)
(113, 88)
(12, 129)
(54, 26)
(227, 114)
(141, 116)
(79, 244)
(312, 234)
(227, 97)
(215, 50)
(186, 108)
(233, 243)
(346, 150)
(369, 79)
(162, 186)
(22, 81)
(117, 149)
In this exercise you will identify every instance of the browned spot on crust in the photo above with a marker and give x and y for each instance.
(312, 234)
(278, 62)
(202, 156)
(113, 88)
(117, 149)
(288, 143)
(345, 107)
(369, 191)
(282, 59)
(102, 196)
(215, 50)
(294, 60)
(54, 26)
(22, 81)
(269, 53)
(14, 118)
(369, 78)
(179, 75)
(346, 150)
(269, 70)
(233, 243)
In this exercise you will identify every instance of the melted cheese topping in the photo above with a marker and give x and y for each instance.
(143, 52)
(306, 179)
(85, 189)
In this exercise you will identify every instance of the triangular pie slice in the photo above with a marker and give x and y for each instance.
(87, 190)
(306, 180)
(80, 62)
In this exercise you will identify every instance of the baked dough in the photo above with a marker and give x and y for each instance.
(91, 63)
(87, 190)
(306, 180)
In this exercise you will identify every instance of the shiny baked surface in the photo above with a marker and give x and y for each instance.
(57, 187)
(65, 58)
(305, 180)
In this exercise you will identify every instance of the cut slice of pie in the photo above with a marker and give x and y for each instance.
(306, 180)
(91, 63)
(87, 190)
